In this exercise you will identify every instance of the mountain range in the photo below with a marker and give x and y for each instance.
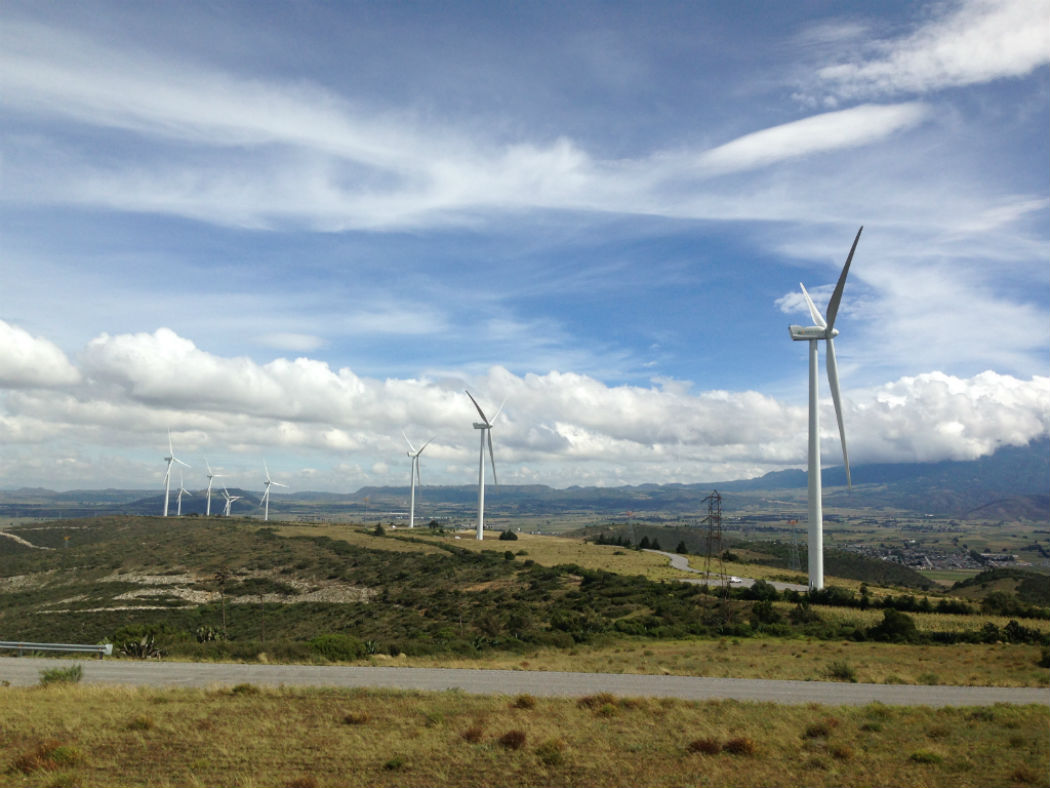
(1011, 484)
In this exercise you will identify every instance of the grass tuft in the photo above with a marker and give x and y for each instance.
(708, 746)
(596, 701)
(925, 756)
(48, 755)
(739, 746)
(308, 781)
(513, 740)
(394, 764)
(524, 701)
(142, 722)
(71, 675)
(356, 718)
(474, 734)
(841, 670)
(551, 752)
(245, 689)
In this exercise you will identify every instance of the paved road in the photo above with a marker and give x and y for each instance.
(679, 561)
(23, 671)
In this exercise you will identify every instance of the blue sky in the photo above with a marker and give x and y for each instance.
(291, 230)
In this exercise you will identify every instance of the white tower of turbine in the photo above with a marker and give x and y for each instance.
(822, 329)
(170, 459)
(178, 497)
(414, 476)
(266, 493)
(212, 476)
(485, 426)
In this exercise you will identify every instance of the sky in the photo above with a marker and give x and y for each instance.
(289, 232)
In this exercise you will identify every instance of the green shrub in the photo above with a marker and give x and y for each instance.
(508, 536)
(551, 752)
(895, 627)
(925, 756)
(841, 670)
(70, 675)
(336, 647)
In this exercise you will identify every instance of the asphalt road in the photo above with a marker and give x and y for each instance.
(682, 562)
(25, 671)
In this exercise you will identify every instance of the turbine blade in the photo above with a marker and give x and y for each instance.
(836, 297)
(410, 446)
(833, 383)
(419, 477)
(499, 410)
(818, 319)
(492, 458)
(180, 462)
(424, 446)
(171, 446)
(476, 405)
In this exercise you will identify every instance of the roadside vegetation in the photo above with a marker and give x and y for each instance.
(246, 735)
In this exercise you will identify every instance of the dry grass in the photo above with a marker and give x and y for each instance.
(773, 658)
(299, 737)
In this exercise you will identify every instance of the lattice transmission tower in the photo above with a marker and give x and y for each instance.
(714, 543)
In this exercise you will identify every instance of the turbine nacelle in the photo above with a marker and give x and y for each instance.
(801, 333)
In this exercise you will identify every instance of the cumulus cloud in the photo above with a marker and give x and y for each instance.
(978, 41)
(558, 428)
(28, 361)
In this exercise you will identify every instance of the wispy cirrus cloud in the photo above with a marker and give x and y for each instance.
(977, 41)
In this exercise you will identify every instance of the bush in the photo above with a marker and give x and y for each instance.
(513, 740)
(551, 752)
(336, 647)
(70, 675)
(525, 701)
(508, 536)
(895, 627)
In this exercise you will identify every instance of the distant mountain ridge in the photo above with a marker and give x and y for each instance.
(1012, 483)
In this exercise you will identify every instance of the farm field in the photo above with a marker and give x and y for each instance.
(247, 736)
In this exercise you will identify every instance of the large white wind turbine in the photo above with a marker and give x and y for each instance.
(182, 491)
(170, 459)
(822, 329)
(266, 493)
(414, 476)
(485, 425)
(212, 475)
(229, 501)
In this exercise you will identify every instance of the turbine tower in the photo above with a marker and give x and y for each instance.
(170, 459)
(822, 329)
(486, 436)
(212, 475)
(182, 491)
(266, 493)
(414, 477)
(229, 501)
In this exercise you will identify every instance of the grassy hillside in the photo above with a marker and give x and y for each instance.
(225, 588)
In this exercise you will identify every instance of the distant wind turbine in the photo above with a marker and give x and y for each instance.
(182, 491)
(229, 501)
(486, 436)
(266, 493)
(414, 476)
(212, 475)
(822, 329)
(170, 459)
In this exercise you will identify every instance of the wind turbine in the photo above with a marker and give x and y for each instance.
(229, 501)
(170, 459)
(486, 435)
(266, 493)
(212, 475)
(822, 329)
(414, 476)
(182, 491)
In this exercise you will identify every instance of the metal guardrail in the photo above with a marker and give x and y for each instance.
(104, 649)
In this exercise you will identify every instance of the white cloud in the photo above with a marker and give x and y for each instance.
(848, 128)
(558, 428)
(978, 41)
(27, 361)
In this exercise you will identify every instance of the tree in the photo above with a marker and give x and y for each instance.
(681, 549)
